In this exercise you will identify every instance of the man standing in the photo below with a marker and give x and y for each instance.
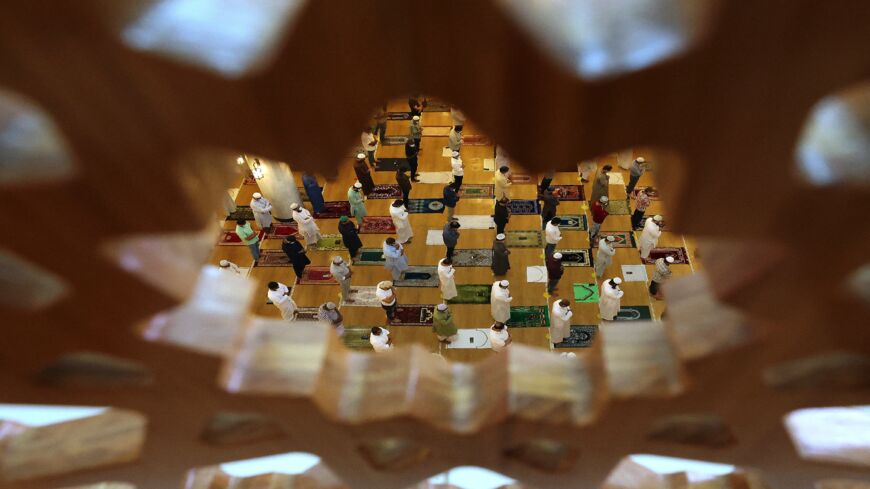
(314, 192)
(442, 324)
(641, 202)
(552, 235)
(411, 151)
(356, 199)
(404, 182)
(451, 198)
(262, 210)
(634, 173)
(450, 234)
(661, 274)
(604, 257)
(457, 168)
(416, 104)
(445, 276)
(306, 224)
(560, 321)
(502, 182)
(349, 235)
(550, 200)
(342, 273)
(380, 339)
(296, 253)
(279, 294)
(611, 295)
(249, 237)
(500, 301)
(554, 272)
(502, 215)
(370, 145)
(381, 123)
(454, 140)
(599, 214)
(649, 237)
(415, 132)
(363, 174)
(500, 261)
(586, 169)
(602, 184)
(499, 337)
(387, 295)
(400, 219)
(396, 261)
(329, 313)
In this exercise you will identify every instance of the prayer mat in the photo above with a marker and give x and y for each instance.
(523, 239)
(362, 297)
(472, 294)
(624, 239)
(472, 258)
(521, 178)
(413, 315)
(386, 191)
(573, 223)
(618, 207)
(398, 116)
(681, 257)
(476, 191)
(476, 140)
(307, 314)
(391, 164)
(419, 276)
(524, 207)
(576, 258)
(529, 317)
(394, 140)
(369, 256)
(471, 339)
(446, 152)
(273, 258)
(586, 292)
(433, 106)
(654, 195)
(241, 212)
(634, 273)
(377, 225)
(536, 274)
(357, 338)
(334, 210)
(282, 230)
(489, 164)
(434, 237)
(634, 313)
(330, 242)
(475, 222)
(442, 177)
(249, 181)
(615, 178)
(425, 206)
(570, 192)
(581, 337)
(316, 276)
(230, 238)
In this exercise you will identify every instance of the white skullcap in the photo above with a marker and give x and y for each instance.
(416, 117)
(504, 283)
(294, 206)
(357, 185)
(603, 198)
(557, 256)
(225, 263)
(337, 259)
(568, 354)
(456, 154)
(257, 195)
(330, 305)
(611, 238)
(670, 259)
(360, 156)
(442, 307)
(617, 280)
(640, 160)
(499, 236)
(657, 218)
(386, 284)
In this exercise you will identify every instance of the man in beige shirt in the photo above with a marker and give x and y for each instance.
(502, 182)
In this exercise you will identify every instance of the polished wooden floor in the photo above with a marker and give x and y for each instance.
(467, 316)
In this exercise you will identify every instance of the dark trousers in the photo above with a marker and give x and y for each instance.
(371, 157)
(352, 251)
(381, 129)
(549, 249)
(417, 141)
(390, 310)
(552, 284)
(632, 181)
(450, 252)
(636, 218)
(654, 288)
(499, 227)
(412, 163)
(406, 196)
(545, 182)
(299, 269)
(457, 182)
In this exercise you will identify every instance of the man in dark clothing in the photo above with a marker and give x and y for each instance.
(550, 199)
(296, 253)
(451, 198)
(404, 182)
(502, 215)
(545, 180)
(349, 235)
(416, 105)
(451, 237)
(554, 271)
(411, 151)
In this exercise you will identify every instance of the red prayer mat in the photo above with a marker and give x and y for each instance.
(377, 225)
(282, 230)
(334, 210)
(317, 276)
(414, 315)
(230, 238)
(385, 191)
(681, 257)
(570, 192)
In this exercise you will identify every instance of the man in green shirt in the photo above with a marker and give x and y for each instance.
(249, 237)
(442, 324)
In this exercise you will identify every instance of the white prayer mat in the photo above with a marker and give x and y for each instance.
(536, 274)
(634, 273)
(435, 176)
(363, 297)
(471, 338)
(616, 178)
(434, 237)
(447, 152)
(489, 164)
(475, 222)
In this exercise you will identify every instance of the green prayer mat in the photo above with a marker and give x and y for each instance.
(618, 208)
(472, 294)
(523, 239)
(582, 336)
(529, 317)
(330, 242)
(357, 338)
(634, 313)
(586, 292)
(369, 256)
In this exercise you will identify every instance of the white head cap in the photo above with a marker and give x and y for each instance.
(557, 256)
(568, 354)
(337, 260)
(670, 259)
(500, 236)
(386, 284)
(330, 305)
(504, 284)
(294, 206)
(360, 156)
(416, 118)
(657, 218)
(456, 154)
(617, 280)
(442, 307)
(640, 160)
(225, 263)
(611, 238)
(257, 195)
(604, 199)
(357, 185)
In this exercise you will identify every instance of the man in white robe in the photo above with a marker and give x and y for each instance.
(279, 294)
(380, 339)
(307, 226)
(262, 209)
(395, 260)
(604, 256)
(445, 275)
(500, 301)
(649, 237)
(499, 337)
(611, 296)
(341, 272)
(560, 321)
(229, 268)
(552, 235)
(400, 219)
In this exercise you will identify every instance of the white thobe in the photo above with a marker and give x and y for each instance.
(500, 301)
(456, 167)
(587, 168)
(560, 323)
(604, 256)
(403, 225)
(608, 304)
(395, 261)
(307, 226)
(282, 301)
(553, 233)
(448, 285)
(498, 339)
(379, 342)
(649, 238)
(262, 209)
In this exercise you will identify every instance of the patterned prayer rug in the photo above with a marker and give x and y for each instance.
(472, 294)
(570, 192)
(681, 257)
(282, 230)
(652, 195)
(586, 292)
(573, 223)
(391, 164)
(398, 116)
(357, 338)
(476, 140)
(317, 276)
(523, 239)
(475, 222)
(471, 339)
(634, 313)
(634, 273)
(521, 178)
(435, 177)
(425, 206)
(369, 256)
(576, 258)
(618, 207)
(536, 274)
(386, 191)
(581, 337)
(529, 317)
(615, 178)
(476, 191)
(413, 315)
(419, 276)
(524, 207)
(394, 140)
(330, 242)
(363, 297)
(377, 225)
(230, 238)
(273, 258)
(472, 258)
(249, 181)
(307, 314)
(334, 210)
(624, 239)
(241, 212)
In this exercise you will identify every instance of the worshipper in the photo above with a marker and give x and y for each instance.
(306, 224)
(500, 261)
(313, 190)
(396, 261)
(450, 199)
(454, 140)
(661, 274)
(340, 270)
(502, 182)
(602, 184)
(546, 180)
(380, 126)
(380, 339)
(400, 219)
(349, 236)
(262, 209)
(555, 269)
(552, 235)
(279, 294)
(442, 324)
(500, 301)
(635, 171)
(296, 253)
(550, 200)
(363, 174)
(641, 202)
(499, 337)
(649, 237)
(249, 237)
(502, 215)
(611, 295)
(415, 133)
(387, 296)
(457, 169)
(560, 321)
(411, 151)
(404, 182)
(229, 268)
(445, 276)
(604, 256)
(370, 145)
(586, 169)
(502, 158)
(329, 313)
(356, 199)
(457, 116)
(450, 234)
(416, 103)
(599, 213)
